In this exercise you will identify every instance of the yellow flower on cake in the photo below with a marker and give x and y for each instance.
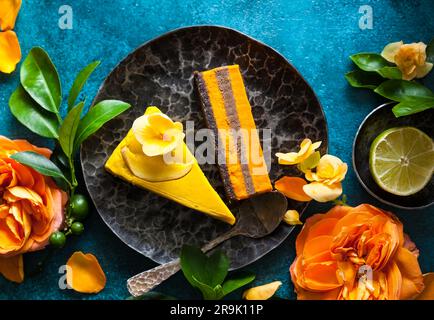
(409, 58)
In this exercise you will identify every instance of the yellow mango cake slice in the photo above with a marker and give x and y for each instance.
(143, 163)
(228, 113)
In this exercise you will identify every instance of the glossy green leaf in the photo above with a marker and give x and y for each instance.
(406, 108)
(237, 281)
(370, 61)
(97, 116)
(80, 81)
(390, 73)
(40, 79)
(68, 129)
(402, 90)
(364, 79)
(210, 270)
(430, 52)
(31, 115)
(39, 163)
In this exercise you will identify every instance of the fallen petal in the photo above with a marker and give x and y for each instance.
(10, 51)
(292, 217)
(84, 273)
(12, 268)
(428, 292)
(292, 187)
(263, 292)
(8, 13)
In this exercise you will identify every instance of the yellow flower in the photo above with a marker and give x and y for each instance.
(263, 292)
(409, 58)
(157, 133)
(306, 149)
(326, 180)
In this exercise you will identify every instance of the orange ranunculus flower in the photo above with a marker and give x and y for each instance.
(355, 253)
(31, 207)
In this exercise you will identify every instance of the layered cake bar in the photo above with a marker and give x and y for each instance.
(228, 113)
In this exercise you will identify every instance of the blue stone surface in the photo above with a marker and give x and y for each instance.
(316, 36)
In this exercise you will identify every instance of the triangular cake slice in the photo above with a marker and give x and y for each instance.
(192, 190)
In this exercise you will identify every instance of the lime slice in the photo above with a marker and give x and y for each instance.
(401, 160)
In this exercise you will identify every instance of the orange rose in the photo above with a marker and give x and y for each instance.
(31, 207)
(355, 253)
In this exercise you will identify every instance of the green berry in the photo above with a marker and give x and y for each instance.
(77, 228)
(57, 239)
(79, 207)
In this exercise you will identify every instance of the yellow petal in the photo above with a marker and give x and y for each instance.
(263, 292)
(306, 149)
(84, 273)
(422, 71)
(292, 217)
(428, 292)
(156, 168)
(322, 192)
(12, 268)
(157, 133)
(391, 50)
(10, 51)
(8, 13)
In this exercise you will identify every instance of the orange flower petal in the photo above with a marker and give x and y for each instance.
(428, 292)
(292, 188)
(412, 279)
(8, 13)
(10, 51)
(84, 273)
(12, 268)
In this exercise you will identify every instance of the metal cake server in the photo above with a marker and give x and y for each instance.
(258, 217)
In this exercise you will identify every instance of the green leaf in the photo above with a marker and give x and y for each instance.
(406, 108)
(390, 73)
(36, 119)
(311, 162)
(208, 292)
(370, 61)
(402, 90)
(97, 116)
(39, 163)
(208, 270)
(364, 79)
(430, 52)
(153, 295)
(80, 81)
(69, 128)
(40, 79)
(237, 281)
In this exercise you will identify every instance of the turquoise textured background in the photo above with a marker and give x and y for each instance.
(316, 36)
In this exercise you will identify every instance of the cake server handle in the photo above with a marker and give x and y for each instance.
(148, 280)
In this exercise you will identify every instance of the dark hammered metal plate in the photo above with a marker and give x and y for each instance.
(375, 123)
(160, 73)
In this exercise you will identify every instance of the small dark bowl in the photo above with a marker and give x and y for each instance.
(375, 123)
